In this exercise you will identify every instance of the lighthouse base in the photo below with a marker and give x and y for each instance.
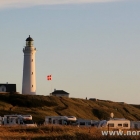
(31, 93)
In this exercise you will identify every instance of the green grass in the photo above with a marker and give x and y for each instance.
(40, 106)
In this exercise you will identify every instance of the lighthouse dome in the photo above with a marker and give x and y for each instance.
(29, 39)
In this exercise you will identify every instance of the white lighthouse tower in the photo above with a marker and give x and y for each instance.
(29, 77)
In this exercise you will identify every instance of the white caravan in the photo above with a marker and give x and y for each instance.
(114, 123)
(24, 120)
(63, 120)
(118, 123)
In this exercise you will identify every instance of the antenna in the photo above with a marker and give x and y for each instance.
(112, 115)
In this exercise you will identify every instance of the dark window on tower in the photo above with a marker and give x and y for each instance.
(32, 72)
(32, 85)
(32, 60)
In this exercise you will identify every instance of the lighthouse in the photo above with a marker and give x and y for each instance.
(29, 76)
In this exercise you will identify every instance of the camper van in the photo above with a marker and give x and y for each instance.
(63, 120)
(24, 120)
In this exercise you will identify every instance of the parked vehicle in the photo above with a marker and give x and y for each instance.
(63, 120)
(135, 124)
(115, 123)
(84, 122)
(24, 120)
(1, 120)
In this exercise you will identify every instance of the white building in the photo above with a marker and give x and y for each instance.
(59, 93)
(29, 76)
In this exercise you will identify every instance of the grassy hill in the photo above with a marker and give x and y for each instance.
(40, 106)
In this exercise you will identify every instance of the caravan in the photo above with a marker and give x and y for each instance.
(135, 124)
(114, 123)
(118, 123)
(84, 122)
(63, 120)
(24, 120)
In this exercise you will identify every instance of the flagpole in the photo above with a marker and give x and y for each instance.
(51, 85)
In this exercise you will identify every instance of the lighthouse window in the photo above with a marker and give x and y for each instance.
(32, 60)
(32, 85)
(32, 72)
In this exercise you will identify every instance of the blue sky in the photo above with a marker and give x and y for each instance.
(90, 47)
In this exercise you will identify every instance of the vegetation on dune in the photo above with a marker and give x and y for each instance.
(40, 106)
(58, 132)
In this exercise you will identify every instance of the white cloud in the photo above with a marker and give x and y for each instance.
(26, 3)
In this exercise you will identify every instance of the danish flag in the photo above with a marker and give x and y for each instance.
(49, 77)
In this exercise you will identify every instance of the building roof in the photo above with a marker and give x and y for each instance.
(29, 39)
(59, 92)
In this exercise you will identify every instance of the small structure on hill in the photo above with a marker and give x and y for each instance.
(7, 88)
(93, 99)
(59, 93)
